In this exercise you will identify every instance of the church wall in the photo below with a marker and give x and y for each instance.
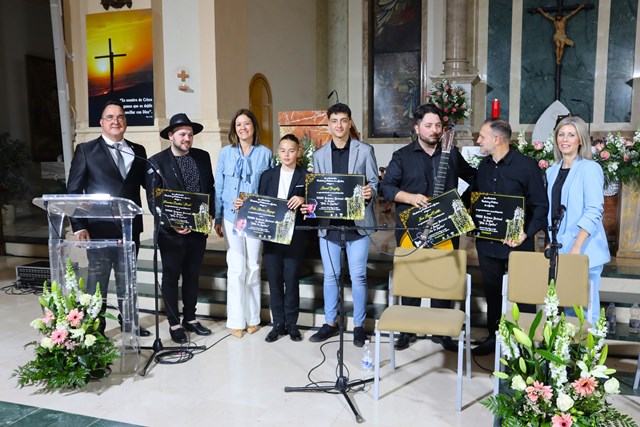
(499, 55)
(282, 41)
(539, 63)
(597, 72)
(620, 58)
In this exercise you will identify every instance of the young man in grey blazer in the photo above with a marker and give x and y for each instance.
(346, 155)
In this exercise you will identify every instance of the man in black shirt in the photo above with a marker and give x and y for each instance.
(410, 180)
(508, 172)
(182, 168)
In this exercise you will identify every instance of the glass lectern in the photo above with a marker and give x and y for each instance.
(92, 255)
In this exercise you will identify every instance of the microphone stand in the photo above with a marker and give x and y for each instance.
(157, 347)
(342, 384)
(551, 253)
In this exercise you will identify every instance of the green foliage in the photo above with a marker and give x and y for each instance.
(563, 376)
(71, 351)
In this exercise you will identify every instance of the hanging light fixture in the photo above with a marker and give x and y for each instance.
(116, 4)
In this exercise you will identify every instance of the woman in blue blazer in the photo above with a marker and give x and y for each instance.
(576, 182)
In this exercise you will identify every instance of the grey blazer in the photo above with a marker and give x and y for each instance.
(362, 161)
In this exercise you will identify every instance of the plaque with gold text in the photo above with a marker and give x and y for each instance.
(497, 216)
(265, 218)
(447, 214)
(335, 196)
(186, 210)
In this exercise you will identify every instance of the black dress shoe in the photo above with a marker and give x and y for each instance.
(197, 328)
(142, 332)
(359, 336)
(488, 346)
(446, 343)
(275, 333)
(179, 335)
(404, 340)
(294, 332)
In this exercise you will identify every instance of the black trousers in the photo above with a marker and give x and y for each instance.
(283, 264)
(492, 269)
(181, 255)
(101, 262)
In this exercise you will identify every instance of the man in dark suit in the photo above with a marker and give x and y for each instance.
(108, 165)
(183, 168)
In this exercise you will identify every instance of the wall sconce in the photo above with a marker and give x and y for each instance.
(183, 75)
(116, 4)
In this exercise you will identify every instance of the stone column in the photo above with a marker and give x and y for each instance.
(456, 63)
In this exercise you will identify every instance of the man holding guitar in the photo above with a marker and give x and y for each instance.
(424, 168)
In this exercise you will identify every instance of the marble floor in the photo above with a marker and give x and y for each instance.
(240, 382)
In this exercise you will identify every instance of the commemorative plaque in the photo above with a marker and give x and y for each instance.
(335, 196)
(265, 218)
(497, 216)
(447, 216)
(186, 210)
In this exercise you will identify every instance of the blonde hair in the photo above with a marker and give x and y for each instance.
(584, 151)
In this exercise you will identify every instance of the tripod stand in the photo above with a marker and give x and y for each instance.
(157, 347)
(342, 384)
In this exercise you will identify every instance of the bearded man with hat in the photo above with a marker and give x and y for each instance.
(183, 168)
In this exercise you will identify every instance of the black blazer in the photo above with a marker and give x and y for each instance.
(171, 177)
(93, 170)
(270, 180)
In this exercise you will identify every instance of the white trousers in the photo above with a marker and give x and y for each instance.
(243, 279)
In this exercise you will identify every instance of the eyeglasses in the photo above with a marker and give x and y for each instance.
(121, 118)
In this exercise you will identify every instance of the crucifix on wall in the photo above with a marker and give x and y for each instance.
(560, 37)
(111, 55)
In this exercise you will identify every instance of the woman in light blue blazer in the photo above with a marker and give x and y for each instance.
(576, 182)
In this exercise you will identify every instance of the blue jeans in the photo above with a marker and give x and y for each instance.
(357, 254)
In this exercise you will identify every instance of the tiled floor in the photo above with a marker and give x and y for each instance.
(240, 382)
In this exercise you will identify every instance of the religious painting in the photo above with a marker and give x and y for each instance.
(120, 64)
(44, 110)
(395, 40)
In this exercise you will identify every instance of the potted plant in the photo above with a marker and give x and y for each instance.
(14, 156)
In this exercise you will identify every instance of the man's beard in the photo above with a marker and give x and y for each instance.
(432, 141)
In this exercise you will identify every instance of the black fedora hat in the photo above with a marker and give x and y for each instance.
(177, 120)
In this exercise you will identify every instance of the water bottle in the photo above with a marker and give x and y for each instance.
(634, 319)
(611, 318)
(367, 359)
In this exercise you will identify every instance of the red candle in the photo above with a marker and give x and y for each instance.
(495, 108)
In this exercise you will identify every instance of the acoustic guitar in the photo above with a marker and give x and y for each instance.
(446, 142)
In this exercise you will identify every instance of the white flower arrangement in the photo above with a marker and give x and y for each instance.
(71, 350)
(559, 382)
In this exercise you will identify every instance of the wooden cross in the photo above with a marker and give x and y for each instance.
(183, 76)
(560, 24)
(111, 56)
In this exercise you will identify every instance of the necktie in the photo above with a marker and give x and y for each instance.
(120, 160)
